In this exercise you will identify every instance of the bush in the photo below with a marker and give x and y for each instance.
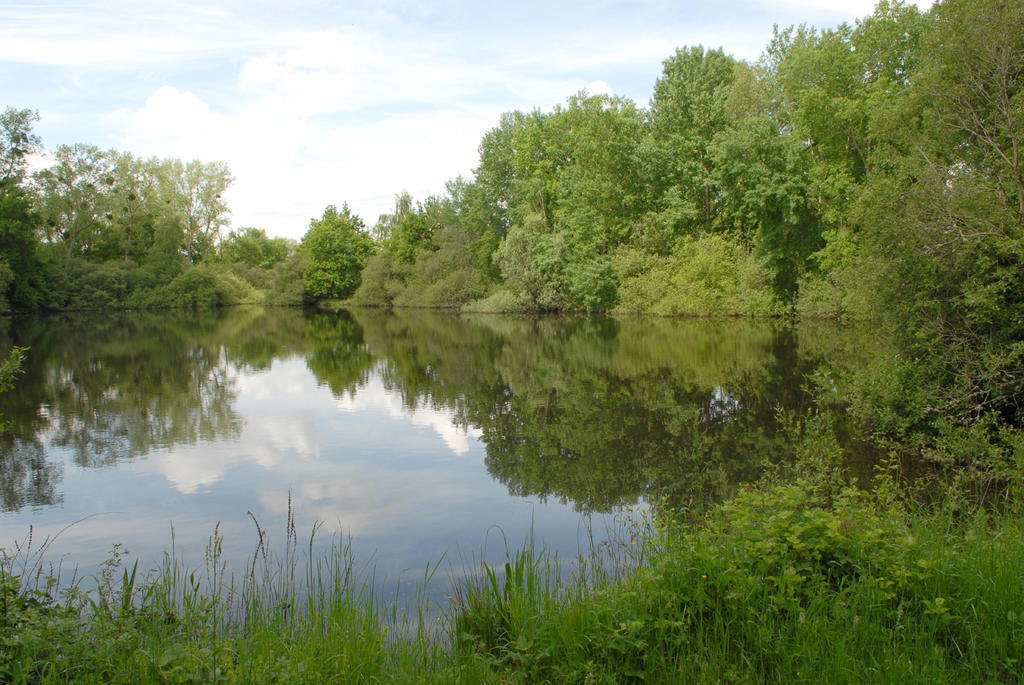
(199, 287)
(285, 286)
(789, 582)
(446, 277)
(90, 285)
(709, 275)
(382, 282)
(502, 300)
(548, 272)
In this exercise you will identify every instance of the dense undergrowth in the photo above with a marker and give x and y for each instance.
(788, 582)
(803, 577)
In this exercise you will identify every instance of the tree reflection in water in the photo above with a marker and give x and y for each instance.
(599, 412)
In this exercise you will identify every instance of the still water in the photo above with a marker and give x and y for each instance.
(422, 436)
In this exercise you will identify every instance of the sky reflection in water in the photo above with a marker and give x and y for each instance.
(420, 435)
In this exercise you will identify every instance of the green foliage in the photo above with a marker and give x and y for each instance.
(799, 574)
(337, 247)
(252, 247)
(942, 227)
(501, 300)
(286, 285)
(778, 585)
(688, 109)
(787, 582)
(199, 287)
(17, 143)
(178, 625)
(382, 280)
(22, 285)
(437, 253)
(694, 400)
(543, 270)
(195, 192)
(10, 369)
(84, 285)
(763, 175)
(103, 229)
(711, 274)
(842, 286)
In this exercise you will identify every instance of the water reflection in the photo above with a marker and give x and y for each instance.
(594, 412)
(27, 477)
(601, 412)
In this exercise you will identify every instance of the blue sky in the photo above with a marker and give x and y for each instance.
(317, 102)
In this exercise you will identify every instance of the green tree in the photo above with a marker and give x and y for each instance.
(195, 193)
(764, 182)
(688, 109)
(73, 196)
(22, 283)
(252, 247)
(572, 193)
(388, 223)
(132, 199)
(17, 143)
(338, 246)
(833, 92)
(597, 192)
(20, 270)
(945, 223)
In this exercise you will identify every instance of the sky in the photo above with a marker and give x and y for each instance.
(314, 102)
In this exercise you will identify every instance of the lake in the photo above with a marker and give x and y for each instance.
(420, 435)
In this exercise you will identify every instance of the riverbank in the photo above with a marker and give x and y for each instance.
(798, 578)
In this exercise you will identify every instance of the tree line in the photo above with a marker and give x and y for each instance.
(102, 228)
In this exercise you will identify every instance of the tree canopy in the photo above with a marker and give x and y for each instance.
(337, 245)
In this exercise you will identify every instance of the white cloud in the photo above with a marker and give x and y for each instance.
(173, 120)
(287, 168)
(98, 36)
(96, 51)
(333, 493)
(854, 9)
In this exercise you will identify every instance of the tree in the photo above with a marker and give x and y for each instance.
(764, 185)
(944, 225)
(687, 110)
(387, 224)
(338, 246)
(17, 143)
(21, 273)
(73, 195)
(252, 247)
(195, 192)
(21, 279)
(405, 231)
(598, 188)
(131, 197)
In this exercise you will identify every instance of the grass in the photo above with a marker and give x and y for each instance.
(803, 579)
(782, 584)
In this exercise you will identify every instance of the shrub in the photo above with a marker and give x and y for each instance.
(382, 282)
(502, 300)
(709, 275)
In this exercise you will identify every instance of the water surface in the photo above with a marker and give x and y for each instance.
(421, 435)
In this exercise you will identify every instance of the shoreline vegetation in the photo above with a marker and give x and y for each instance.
(805, 579)
(871, 171)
